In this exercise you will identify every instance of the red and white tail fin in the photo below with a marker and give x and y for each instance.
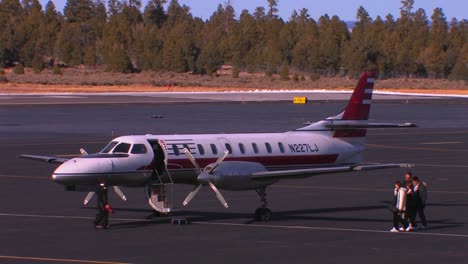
(353, 122)
(359, 105)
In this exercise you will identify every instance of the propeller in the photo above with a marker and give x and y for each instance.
(204, 177)
(116, 189)
(90, 195)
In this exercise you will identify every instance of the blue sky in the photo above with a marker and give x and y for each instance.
(345, 9)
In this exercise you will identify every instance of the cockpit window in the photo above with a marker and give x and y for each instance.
(122, 148)
(109, 147)
(139, 149)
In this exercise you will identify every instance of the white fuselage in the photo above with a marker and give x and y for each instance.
(133, 164)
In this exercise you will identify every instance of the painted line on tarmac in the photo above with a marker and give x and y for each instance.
(331, 229)
(24, 177)
(246, 225)
(351, 189)
(413, 148)
(58, 143)
(419, 133)
(442, 143)
(59, 260)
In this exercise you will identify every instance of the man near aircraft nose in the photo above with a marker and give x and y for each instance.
(102, 218)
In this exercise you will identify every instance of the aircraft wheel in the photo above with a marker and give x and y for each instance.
(263, 214)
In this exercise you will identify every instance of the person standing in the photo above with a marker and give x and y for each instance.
(102, 217)
(408, 178)
(411, 207)
(398, 207)
(420, 192)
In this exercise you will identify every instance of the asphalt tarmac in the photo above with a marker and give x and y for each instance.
(335, 218)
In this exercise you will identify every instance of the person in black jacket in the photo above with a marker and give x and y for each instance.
(102, 217)
(408, 178)
(411, 207)
(421, 197)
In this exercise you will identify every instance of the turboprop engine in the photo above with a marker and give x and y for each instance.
(235, 175)
(229, 175)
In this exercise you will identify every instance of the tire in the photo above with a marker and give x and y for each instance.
(266, 214)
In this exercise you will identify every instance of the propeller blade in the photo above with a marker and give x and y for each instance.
(218, 194)
(191, 195)
(218, 161)
(88, 198)
(83, 151)
(119, 193)
(192, 159)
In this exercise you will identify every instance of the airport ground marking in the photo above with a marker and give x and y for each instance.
(419, 133)
(414, 148)
(352, 188)
(59, 260)
(330, 229)
(442, 143)
(23, 177)
(293, 227)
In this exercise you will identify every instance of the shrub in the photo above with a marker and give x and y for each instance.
(314, 76)
(37, 64)
(18, 69)
(3, 79)
(56, 70)
(302, 77)
(235, 72)
(296, 77)
(284, 72)
(2, 71)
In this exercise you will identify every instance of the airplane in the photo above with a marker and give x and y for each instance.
(236, 162)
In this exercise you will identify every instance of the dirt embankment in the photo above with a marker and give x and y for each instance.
(94, 81)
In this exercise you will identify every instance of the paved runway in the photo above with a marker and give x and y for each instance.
(329, 219)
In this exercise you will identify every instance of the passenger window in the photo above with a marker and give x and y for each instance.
(139, 149)
(255, 148)
(175, 149)
(122, 148)
(281, 147)
(201, 150)
(109, 147)
(187, 147)
(268, 147)
(242, 148)
(228, 147)
(214, 149)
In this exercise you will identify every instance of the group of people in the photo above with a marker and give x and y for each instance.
(409, 201)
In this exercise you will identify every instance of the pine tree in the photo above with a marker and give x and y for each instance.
(434, 56)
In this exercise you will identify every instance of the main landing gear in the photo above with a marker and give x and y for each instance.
(262, 213)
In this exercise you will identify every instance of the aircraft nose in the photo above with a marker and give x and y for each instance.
(82, 170)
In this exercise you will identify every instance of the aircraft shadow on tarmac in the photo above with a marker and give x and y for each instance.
(291, 215)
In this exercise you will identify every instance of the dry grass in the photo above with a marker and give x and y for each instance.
(96, 80)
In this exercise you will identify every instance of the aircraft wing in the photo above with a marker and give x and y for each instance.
(49, 159)
(302, 173)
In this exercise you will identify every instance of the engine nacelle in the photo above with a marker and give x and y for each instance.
(236, 175)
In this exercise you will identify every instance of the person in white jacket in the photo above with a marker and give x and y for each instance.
(399, 207)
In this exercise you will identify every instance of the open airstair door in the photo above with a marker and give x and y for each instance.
(160, 191)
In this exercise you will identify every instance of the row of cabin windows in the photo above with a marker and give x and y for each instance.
(228, 146)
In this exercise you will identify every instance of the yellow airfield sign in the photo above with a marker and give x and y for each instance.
(300, 100)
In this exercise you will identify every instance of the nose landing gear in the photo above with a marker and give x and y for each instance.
(263, 213)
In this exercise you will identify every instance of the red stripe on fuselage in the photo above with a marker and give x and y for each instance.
(264, 160)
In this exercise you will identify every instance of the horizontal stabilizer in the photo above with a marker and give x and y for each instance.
(266, 175)
(49, 159)
(360, 125)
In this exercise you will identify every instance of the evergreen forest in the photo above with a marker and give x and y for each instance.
(124, 36)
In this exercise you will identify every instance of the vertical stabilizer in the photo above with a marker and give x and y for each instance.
(359, 105)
